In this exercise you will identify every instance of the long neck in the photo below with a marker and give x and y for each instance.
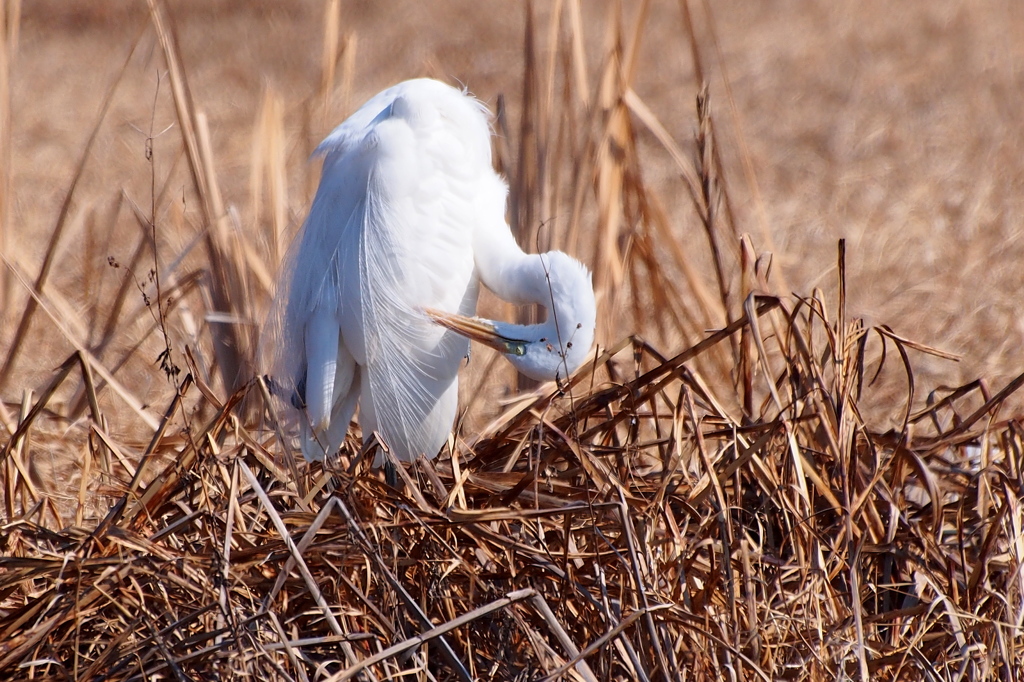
(559, 344)
(502, 265)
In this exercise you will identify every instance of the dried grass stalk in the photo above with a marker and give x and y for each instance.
(729, 509)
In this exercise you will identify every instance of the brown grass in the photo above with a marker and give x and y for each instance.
(787, 494)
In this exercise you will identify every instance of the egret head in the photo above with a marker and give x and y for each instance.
(552, 349)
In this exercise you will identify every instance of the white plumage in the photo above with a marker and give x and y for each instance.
(380, 284)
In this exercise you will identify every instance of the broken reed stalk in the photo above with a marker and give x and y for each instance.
(10, 19)
(233, 345)
(652, 519)
(645, 533)
(268, 170)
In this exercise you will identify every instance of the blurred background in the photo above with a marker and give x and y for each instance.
(894, 126)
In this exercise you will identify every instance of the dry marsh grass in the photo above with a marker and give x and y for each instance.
(746, 483)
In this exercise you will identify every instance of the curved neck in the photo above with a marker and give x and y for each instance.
(560, 344)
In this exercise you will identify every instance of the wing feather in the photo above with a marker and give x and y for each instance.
(389, 234)
(317, 341)
(416, 253)
(321, 367)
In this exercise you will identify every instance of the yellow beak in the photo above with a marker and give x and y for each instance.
(478, 330)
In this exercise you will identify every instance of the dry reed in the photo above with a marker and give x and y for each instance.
(725, 511)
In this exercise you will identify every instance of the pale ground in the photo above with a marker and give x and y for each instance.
(895, 125)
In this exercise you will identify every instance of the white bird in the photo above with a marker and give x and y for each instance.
(383, 279)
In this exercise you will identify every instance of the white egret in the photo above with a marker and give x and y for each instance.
(383, 279)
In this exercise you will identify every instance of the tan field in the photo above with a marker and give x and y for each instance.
(156, 163)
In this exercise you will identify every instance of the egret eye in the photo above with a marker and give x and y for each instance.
(517, 348)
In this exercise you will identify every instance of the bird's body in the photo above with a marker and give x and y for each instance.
(408, 218)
